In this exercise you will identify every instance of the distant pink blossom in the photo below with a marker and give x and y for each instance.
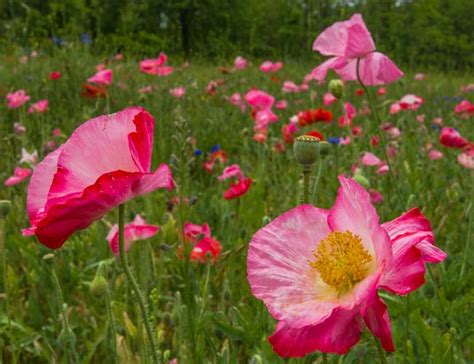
(434, 154)
(466, 158)
(328, 99)
(30, 158)
(281, 105)
(382, 168)
(39, 107)
(467, 88)
(369, 159)
(19, 128)
(350, 43)
(351, 113)
(103, 77)
(231, 171)
(407, 102)
(375, 196)
(381, 91)
(464, 109)
(437, 121)
(19, 176)
(55, 75)
(145, 90)
(156, 66)
(100, 67)
(138, 229)
(420, 118)
(178, 91)
(194, 232)
(269, 66)
(451, 138)
(17, 99)
(290, 87)
(240, 63)
(420, 76)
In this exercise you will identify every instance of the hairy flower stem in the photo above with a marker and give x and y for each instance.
(113, 329)
(380, 134)
(133, 282)
(380, 350)
(306, 178)
(316, 182)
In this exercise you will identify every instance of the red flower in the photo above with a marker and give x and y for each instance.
(206, 246)
(217, 156)
(91, 91)
(316, 134)
(359, 92)
(307, 117)
(238, 189)
(55, 75)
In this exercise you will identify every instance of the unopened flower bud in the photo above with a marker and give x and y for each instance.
(360, 179)
(336, 87)
(4, 208)
(98, 286)
(266, 220)
(48, 257)
(166, 354)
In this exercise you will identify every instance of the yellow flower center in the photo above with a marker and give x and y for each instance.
(341, 260)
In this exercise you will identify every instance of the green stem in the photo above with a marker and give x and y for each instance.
(306, 178)
(380, 134)
(380, 350)
(108, 304)
(325, 358)
(407, 328)
(136, 289)
(316, 181)
(355, 149)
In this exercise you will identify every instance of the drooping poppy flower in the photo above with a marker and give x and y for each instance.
(105, 162)
(156, 66)
(348, 41)
(451, 138)
(91, 91)
(238, 189)
(138, 229)
(240, 63)
(17, 99)
(19, 175)
(103, 77)
(178, 92)
(39, 107)
(318, 271)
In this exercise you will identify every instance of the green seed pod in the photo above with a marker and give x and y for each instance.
(166, 355)
(266, 220)
(5, 206)
(98, 286)
(336, 87)
(360, 179)
(306, 150)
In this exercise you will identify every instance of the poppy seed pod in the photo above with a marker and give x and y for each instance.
(98, 286)
(336, 87)
(307, 148)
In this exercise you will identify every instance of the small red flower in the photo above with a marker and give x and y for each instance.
(316, 134)
(238, 189)
(91, 91)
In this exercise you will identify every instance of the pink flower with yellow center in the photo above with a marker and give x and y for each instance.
(319, 271)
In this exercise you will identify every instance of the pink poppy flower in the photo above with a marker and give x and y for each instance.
(437, 121)
(382, 168)
(55, 75)
(231, 171)
(205, 247)
(464, 109)
(260, 137)
(105, 162)
(328, 99)
(259, 100)
(194, 232)
(434, 154)
(369, 159)
(17, 99)
(348, 41)
(451, 138)
(103, 77)
(156, 66)
(238, 189)
(240, 63)
(420, 76)
(290, 87)
(269, 66)
(39, 107)
(351, 113)
(375, 196)
(293, 266)
(138, 229)
(178, 92)
(30, 158)
(381, 91)
(466, 158)
(19, 128)
(411, 102)
(281, 105)
(19, 176)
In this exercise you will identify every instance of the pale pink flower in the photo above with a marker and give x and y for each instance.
(17, 99)
(138, 229)
(328, 99)
(411, 102)
(19, 128)
(348, 42)
(281, 105)
(420, 76)
(269, 66)
(240, 63)
(39, 107)
(437, 121)
(30, 158)
(156, 66)
(290, 87)
(369, 159)
(145, 90)
(382, 168)
(466, 158)
(19, 176)
(420, 118)
(103, 77)
(467, 88)
(434, 154)
(293, 266)
(178, 91)
(231, 171)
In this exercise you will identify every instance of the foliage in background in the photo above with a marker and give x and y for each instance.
(431, 33)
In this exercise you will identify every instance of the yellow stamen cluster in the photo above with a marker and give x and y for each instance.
(341, 260)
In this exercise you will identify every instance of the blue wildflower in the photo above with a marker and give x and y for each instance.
(86, 38)
(334, 140)
(215, 148)
(197, 152)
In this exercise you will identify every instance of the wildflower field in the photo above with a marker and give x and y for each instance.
(238, 211)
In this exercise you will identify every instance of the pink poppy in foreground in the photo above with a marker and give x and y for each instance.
(231, 171)
(55, 75)
(105, 162)
(318, 271)
(464, 109)
(103, 77)
(269, 66)
(238, 189)
(19, 176)
(17, 99)
(138, 229)
(178, 92)
(240, 63)
(451, 138)
(39, 107)
(156, 66)
(347, 42)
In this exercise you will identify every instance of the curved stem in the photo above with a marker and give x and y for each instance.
(380, 134)
(381, 351)
(108, 303)
(136, 289)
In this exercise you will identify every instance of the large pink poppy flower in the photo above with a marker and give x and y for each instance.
(103, 77)
(104, 163)
(138, 229)
(318, 271)
(347, 41)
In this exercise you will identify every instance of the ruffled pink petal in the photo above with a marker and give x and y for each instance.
(369, 159)
(337, 334)
(320, 72)
(413, 245)
(376, 318)
(278, 269)
(377, 69)
(359, 40)
(259, 99)
(353, 211)
(136, 230)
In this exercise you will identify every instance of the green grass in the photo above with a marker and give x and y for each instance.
(221, 322)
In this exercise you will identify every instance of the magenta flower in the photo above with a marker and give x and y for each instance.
(261, 104)
(39, 107)
(318, 271)
(348, 41)
(451, 138)
(240, 63)
(231, 171)
(138, 229)
(103, 77)
(19, 176)
(105, 162)
(328, 99)
(269, 66)
(178, 92)
(369, 159)
(238, 189)
(17, 99)
(156, 66)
